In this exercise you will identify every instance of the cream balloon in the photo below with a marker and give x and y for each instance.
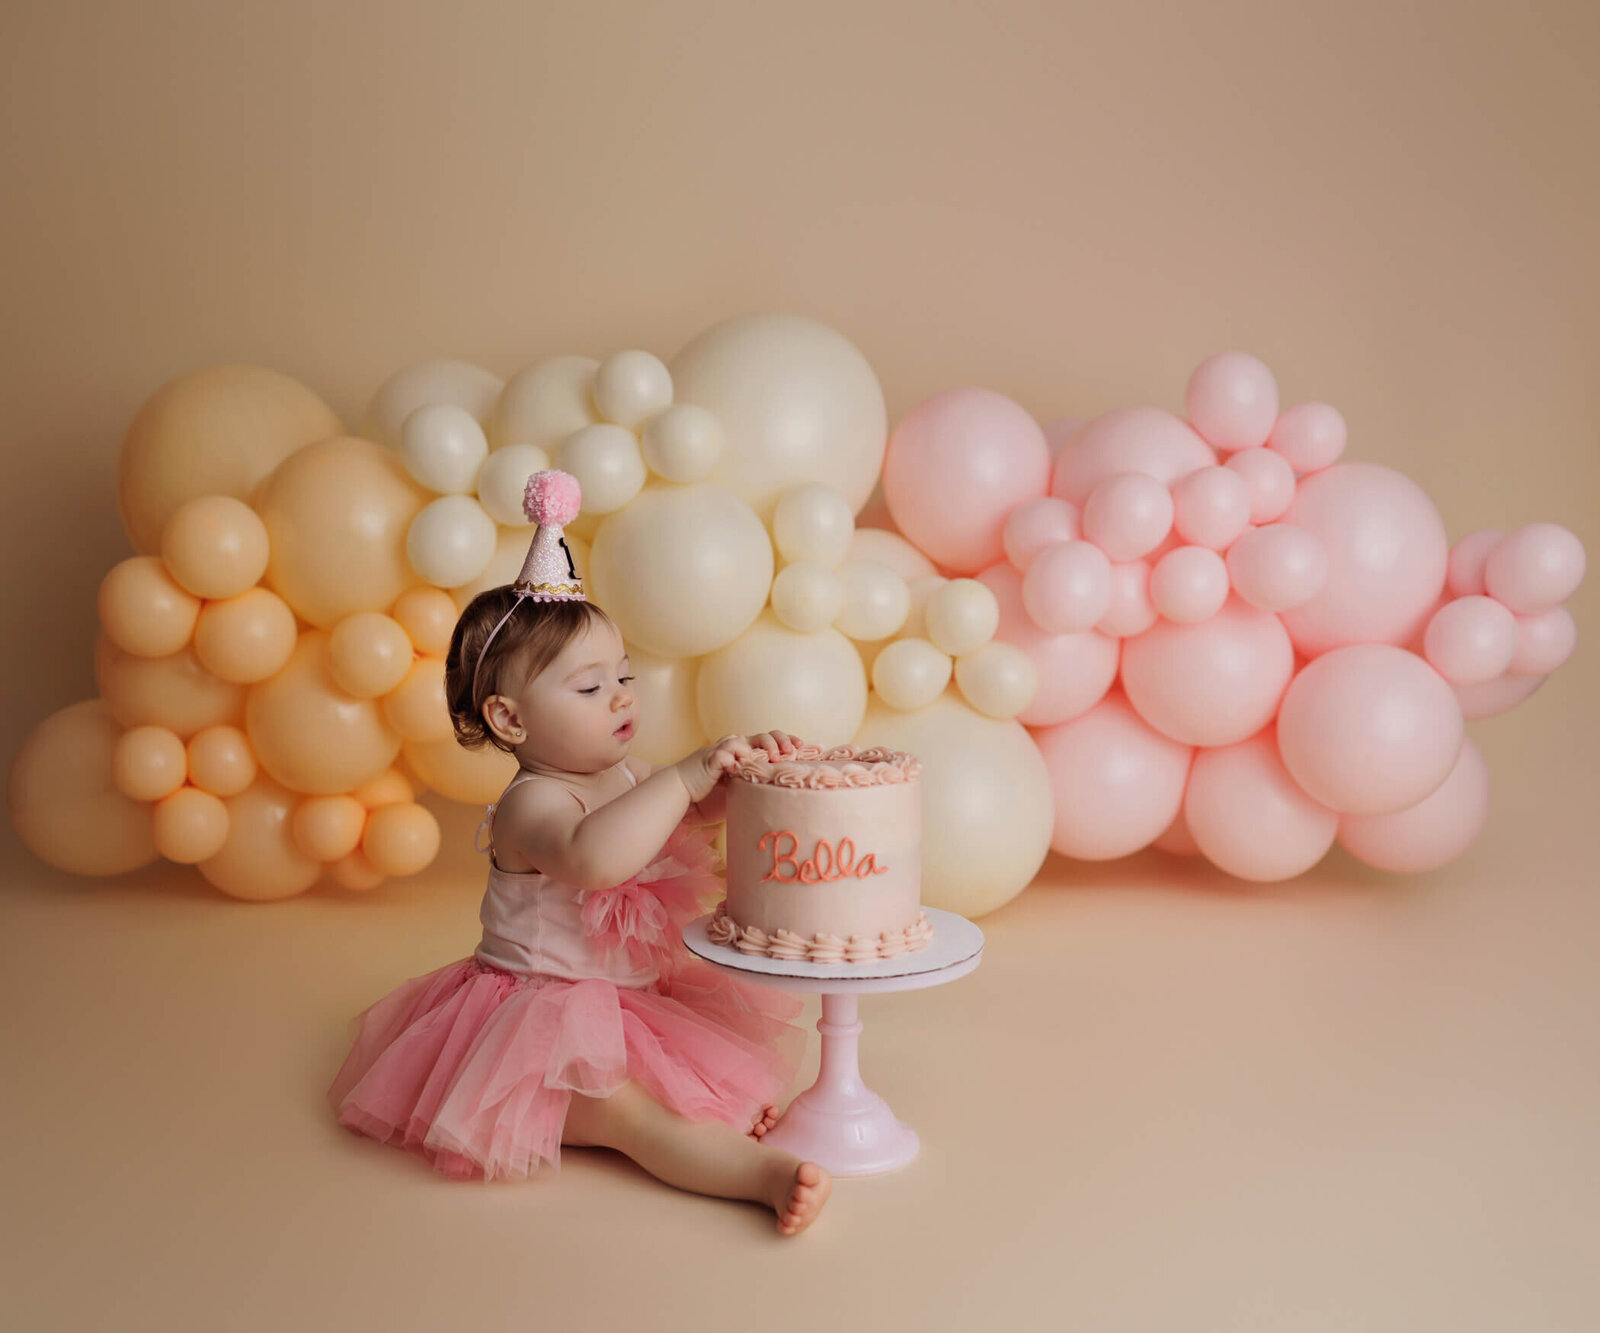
(606, 461)
(811, 685)
(961, 615)
(327, 828)
(452, 541)
(246, 638)
(417, 709)
(876, 601)
(175, 692)
(683, 570)
(148, 763)
(259, 862)
(215, 547)
(890, 548)
(503, 482)
(427, 616)
(545, 403)
(459, 774)
(681, 443)
(631, 386)
(221, 761)
(986, 801)
(999, 679)
(814, 523)
(369, 654)
(456, 382)
(807, 596)
(922, 589)
(190, 826)
(910, 674)
(443, 446)
(668, 717)
(797, 402)
(143, 610)
(218, 431)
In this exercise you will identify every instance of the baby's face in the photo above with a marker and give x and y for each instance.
(579, 711)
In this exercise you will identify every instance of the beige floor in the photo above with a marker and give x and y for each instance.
(1164, 1102)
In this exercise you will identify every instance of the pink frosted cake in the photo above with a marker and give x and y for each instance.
(825, 857)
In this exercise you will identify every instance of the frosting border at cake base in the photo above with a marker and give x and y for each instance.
(786, 944)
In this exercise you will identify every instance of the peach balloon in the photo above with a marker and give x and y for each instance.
(1535, 567)
(174, 692)
(400, 839)
(1431, 833)
(311, 736)
(218, 431)
(1544, 641)
(1117, 783)
(1464, 573)
(1074, 670)
(1495, 696)
(1232, 400)
(1278, 566)
(1215, 683)
(1211, 507)
(1128, 439)
(438, 381)
(62, 801)
(221, 761)
(388, 787)
(190, 826)
(148, 763)
(369, 654)
(668, 718)
(259, 862)
(143, 610)
(957, 464)
(813, 685)
(1310, 436)
(327, 828)
(1369, 729)
(245, 638)
(337, 514)
(459, 774)
(1129, 611)
(1128, 515)
(356, 873)
(215, 547)
(417, 708)
(1189, 584)
(1269, 479)
(428, 616)
(1248, 817)
(1034, 525)
(1471, 639)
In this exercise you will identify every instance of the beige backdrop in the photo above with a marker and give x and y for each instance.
(1164, 1101)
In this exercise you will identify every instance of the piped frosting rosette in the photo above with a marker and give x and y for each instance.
(819, 769)
(821, 948)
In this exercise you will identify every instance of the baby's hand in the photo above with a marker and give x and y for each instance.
(775, 743)
(702, 770)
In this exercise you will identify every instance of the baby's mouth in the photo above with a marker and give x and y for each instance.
(625, 731)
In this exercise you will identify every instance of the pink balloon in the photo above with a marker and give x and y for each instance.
(1470, 640)
(1214, 683)
(1067, 587)
(956, 465)
(1434, 831)
(1212, 507)
(1543, 642)
(1495, 696)
(1034, 525)
(1117, 784)
(1189, 585)
(1074, 670)
(1232, 400)
(1464, 572)
(1128, 439)
(1277, 567)
(1130, 611)
(1128, 515)
(1270, 480)
(1535, 567)
(1386, 557)
(1311, 436)
(1177, 840)
(1369, 729)
(1250, 818)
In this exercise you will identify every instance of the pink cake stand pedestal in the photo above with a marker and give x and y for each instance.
(839, 1122)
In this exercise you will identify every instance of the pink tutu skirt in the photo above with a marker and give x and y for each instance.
(473, 1068)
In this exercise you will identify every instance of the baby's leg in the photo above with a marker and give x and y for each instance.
(707, 1158)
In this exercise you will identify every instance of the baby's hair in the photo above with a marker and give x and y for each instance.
(525, 646)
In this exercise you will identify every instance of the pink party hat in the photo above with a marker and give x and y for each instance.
(551, 500)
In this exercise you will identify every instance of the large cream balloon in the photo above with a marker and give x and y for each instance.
(987, 808)
(63, 803)
(259, 862)
(459, 774)
(668, 714)
(457, 382)
(683, 570)
(545, 403)
(212, 432)
(174, 692)
(337, 514)
(890, 548)
(797, 402)
(309, 734)
(812, 685)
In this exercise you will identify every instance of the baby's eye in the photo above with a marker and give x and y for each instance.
(593, 689)
(623, 680)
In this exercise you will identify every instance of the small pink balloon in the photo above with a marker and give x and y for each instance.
(1277, 567)
(1214, 683)
(1464, 573)
(1495, 696)
(1212, 507)
(1177, 840)
(1067, 587)
(1189, 585)
(1369, 729)
(1128, 515)
(1036, 524)
(1544, 641)
(1535, 567)
(1128, 439)
(955, 466)
(1117, 784)
(1232, 400)
(1311, 436)
(1270, 480)
(1074, 670)
(1431, 833)
(1130, 611)
(1386, 550)
(1250, 818)
(1470, 639)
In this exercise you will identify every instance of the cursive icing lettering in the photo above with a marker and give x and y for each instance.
(823, 866)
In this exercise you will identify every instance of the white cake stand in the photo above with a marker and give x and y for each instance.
(838, 1122)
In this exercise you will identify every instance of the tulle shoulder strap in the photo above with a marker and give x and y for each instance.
(487, 824)
(628, 773)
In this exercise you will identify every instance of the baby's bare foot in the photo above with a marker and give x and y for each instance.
(802, 1201)
(765, 1121)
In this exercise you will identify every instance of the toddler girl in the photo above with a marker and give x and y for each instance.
(581, 1018)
